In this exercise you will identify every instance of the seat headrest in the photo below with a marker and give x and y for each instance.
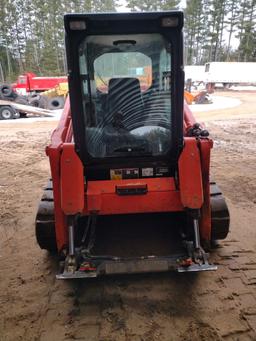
(126, 84)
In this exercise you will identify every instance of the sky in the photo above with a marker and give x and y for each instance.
(122, 4)
(122, 7)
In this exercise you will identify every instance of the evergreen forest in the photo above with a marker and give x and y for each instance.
(32, 34)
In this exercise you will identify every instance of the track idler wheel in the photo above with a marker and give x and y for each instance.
(45, 223)
(219, 214)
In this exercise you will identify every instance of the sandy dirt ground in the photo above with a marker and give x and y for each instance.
(213, 306)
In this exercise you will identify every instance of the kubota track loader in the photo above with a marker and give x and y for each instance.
(130, 189)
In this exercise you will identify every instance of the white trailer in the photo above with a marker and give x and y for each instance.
(195, 72)
(230, 73)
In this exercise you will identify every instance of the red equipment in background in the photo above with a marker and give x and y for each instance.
(29, 82)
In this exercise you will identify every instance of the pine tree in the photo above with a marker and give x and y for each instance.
(247, 29)
(217, 12)
(232, 21)
(195, 31)
(104, 6)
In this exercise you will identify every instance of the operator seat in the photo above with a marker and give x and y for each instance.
(125, 113)
(124, 96)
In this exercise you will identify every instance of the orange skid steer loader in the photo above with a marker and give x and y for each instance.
(129, 189)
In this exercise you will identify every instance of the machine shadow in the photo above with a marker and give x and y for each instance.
(142, 293)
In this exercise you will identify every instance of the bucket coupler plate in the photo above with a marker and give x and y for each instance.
(80, 263)
(97, 266)
(197, 268)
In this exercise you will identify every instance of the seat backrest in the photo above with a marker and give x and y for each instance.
(124, 95)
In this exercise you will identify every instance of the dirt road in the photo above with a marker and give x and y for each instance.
(214, 306)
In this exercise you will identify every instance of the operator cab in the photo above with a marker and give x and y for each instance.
(126, 92)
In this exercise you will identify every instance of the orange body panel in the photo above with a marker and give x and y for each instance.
(205, 146)
(189, 119)
(162, 196)
(190, 176)
(63, 133)
(60, 217)
(71, 181)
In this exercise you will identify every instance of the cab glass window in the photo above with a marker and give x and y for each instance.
(126, 91)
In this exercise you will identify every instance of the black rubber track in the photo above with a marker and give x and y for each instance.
(219, 212)
(45, 225)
